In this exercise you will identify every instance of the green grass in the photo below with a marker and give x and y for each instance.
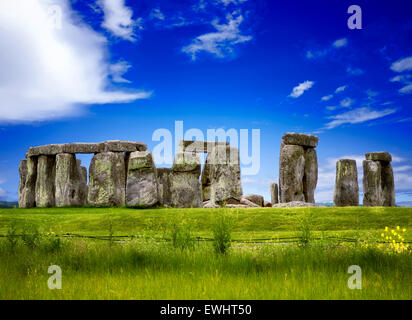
(147, 269)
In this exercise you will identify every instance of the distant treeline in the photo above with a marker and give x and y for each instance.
(8, 204)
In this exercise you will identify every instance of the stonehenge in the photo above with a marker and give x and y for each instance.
(378, 180)
(123, 173)
(346, 184)
(298, 168)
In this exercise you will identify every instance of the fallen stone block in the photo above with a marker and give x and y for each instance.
(255, 198)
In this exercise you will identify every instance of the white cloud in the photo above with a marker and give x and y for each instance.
(157, 14)
(340, 89)
(402, 78)
(301, 88)
(402, 65)
(50, 72)
(359, 115)
(340, 43)
(406, 89)
(354, 71)
(118, 19)
(346, 103)
(221, 42)
(327, 98)
(227, 2)
(117, 71)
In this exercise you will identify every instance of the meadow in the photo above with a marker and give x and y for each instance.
(160, 253)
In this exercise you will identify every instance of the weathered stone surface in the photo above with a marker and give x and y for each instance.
(107, 179)
(79, 147)
(123, 146)
(22, 184)
(142, 188)
(163, 179)
(199, 146)
(224, 175)
(388, 185)
(185, 187)
(28, 198)
(205, 180)
(379, 156)
(346, 184)
(185, 190)
(291, 172)
(186, 162)
(83, 184)
(372, 192)
(310, 178)
(300, 139)
(267, 204)
(50, 149)
(274, 193)
(45, 183)
(248, 203)
(255, 198)
(70, 189)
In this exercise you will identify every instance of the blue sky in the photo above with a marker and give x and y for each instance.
(113, 69)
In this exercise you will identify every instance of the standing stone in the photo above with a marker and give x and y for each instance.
(291, 172)
(45, 184)
(22, 184)
(185, 187)
(346, 185)
(163, 180)
(141, 187)
(205, 179)
(372, 192)
(388, 185)
(107, 179)
(69, 181)
(310, 178)
(224, 175)
(28, 199)
(274, 193)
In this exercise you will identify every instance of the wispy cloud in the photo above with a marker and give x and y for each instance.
(355, 116)
(354, 71)
(327, 98)
(340, 43)
(347, 102)
(118, 19)
(301, 88)
(117, 71)
(337, 44)
(156, 13)
(338, 90)
(220, 43)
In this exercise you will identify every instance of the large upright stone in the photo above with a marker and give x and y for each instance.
(22, 184)
(346, 184)
(224, 175)
(45, 184)
(70, 189)
(206, 182)
(310, 178)
(185, 187)
(274, 193)
(291, 172)
(141, 187)
(388, 185)
(107, 179)
(372, 192)
(163, 179)
(28, 198)
(83, 189)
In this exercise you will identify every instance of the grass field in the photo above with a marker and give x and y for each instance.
(149, 268)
